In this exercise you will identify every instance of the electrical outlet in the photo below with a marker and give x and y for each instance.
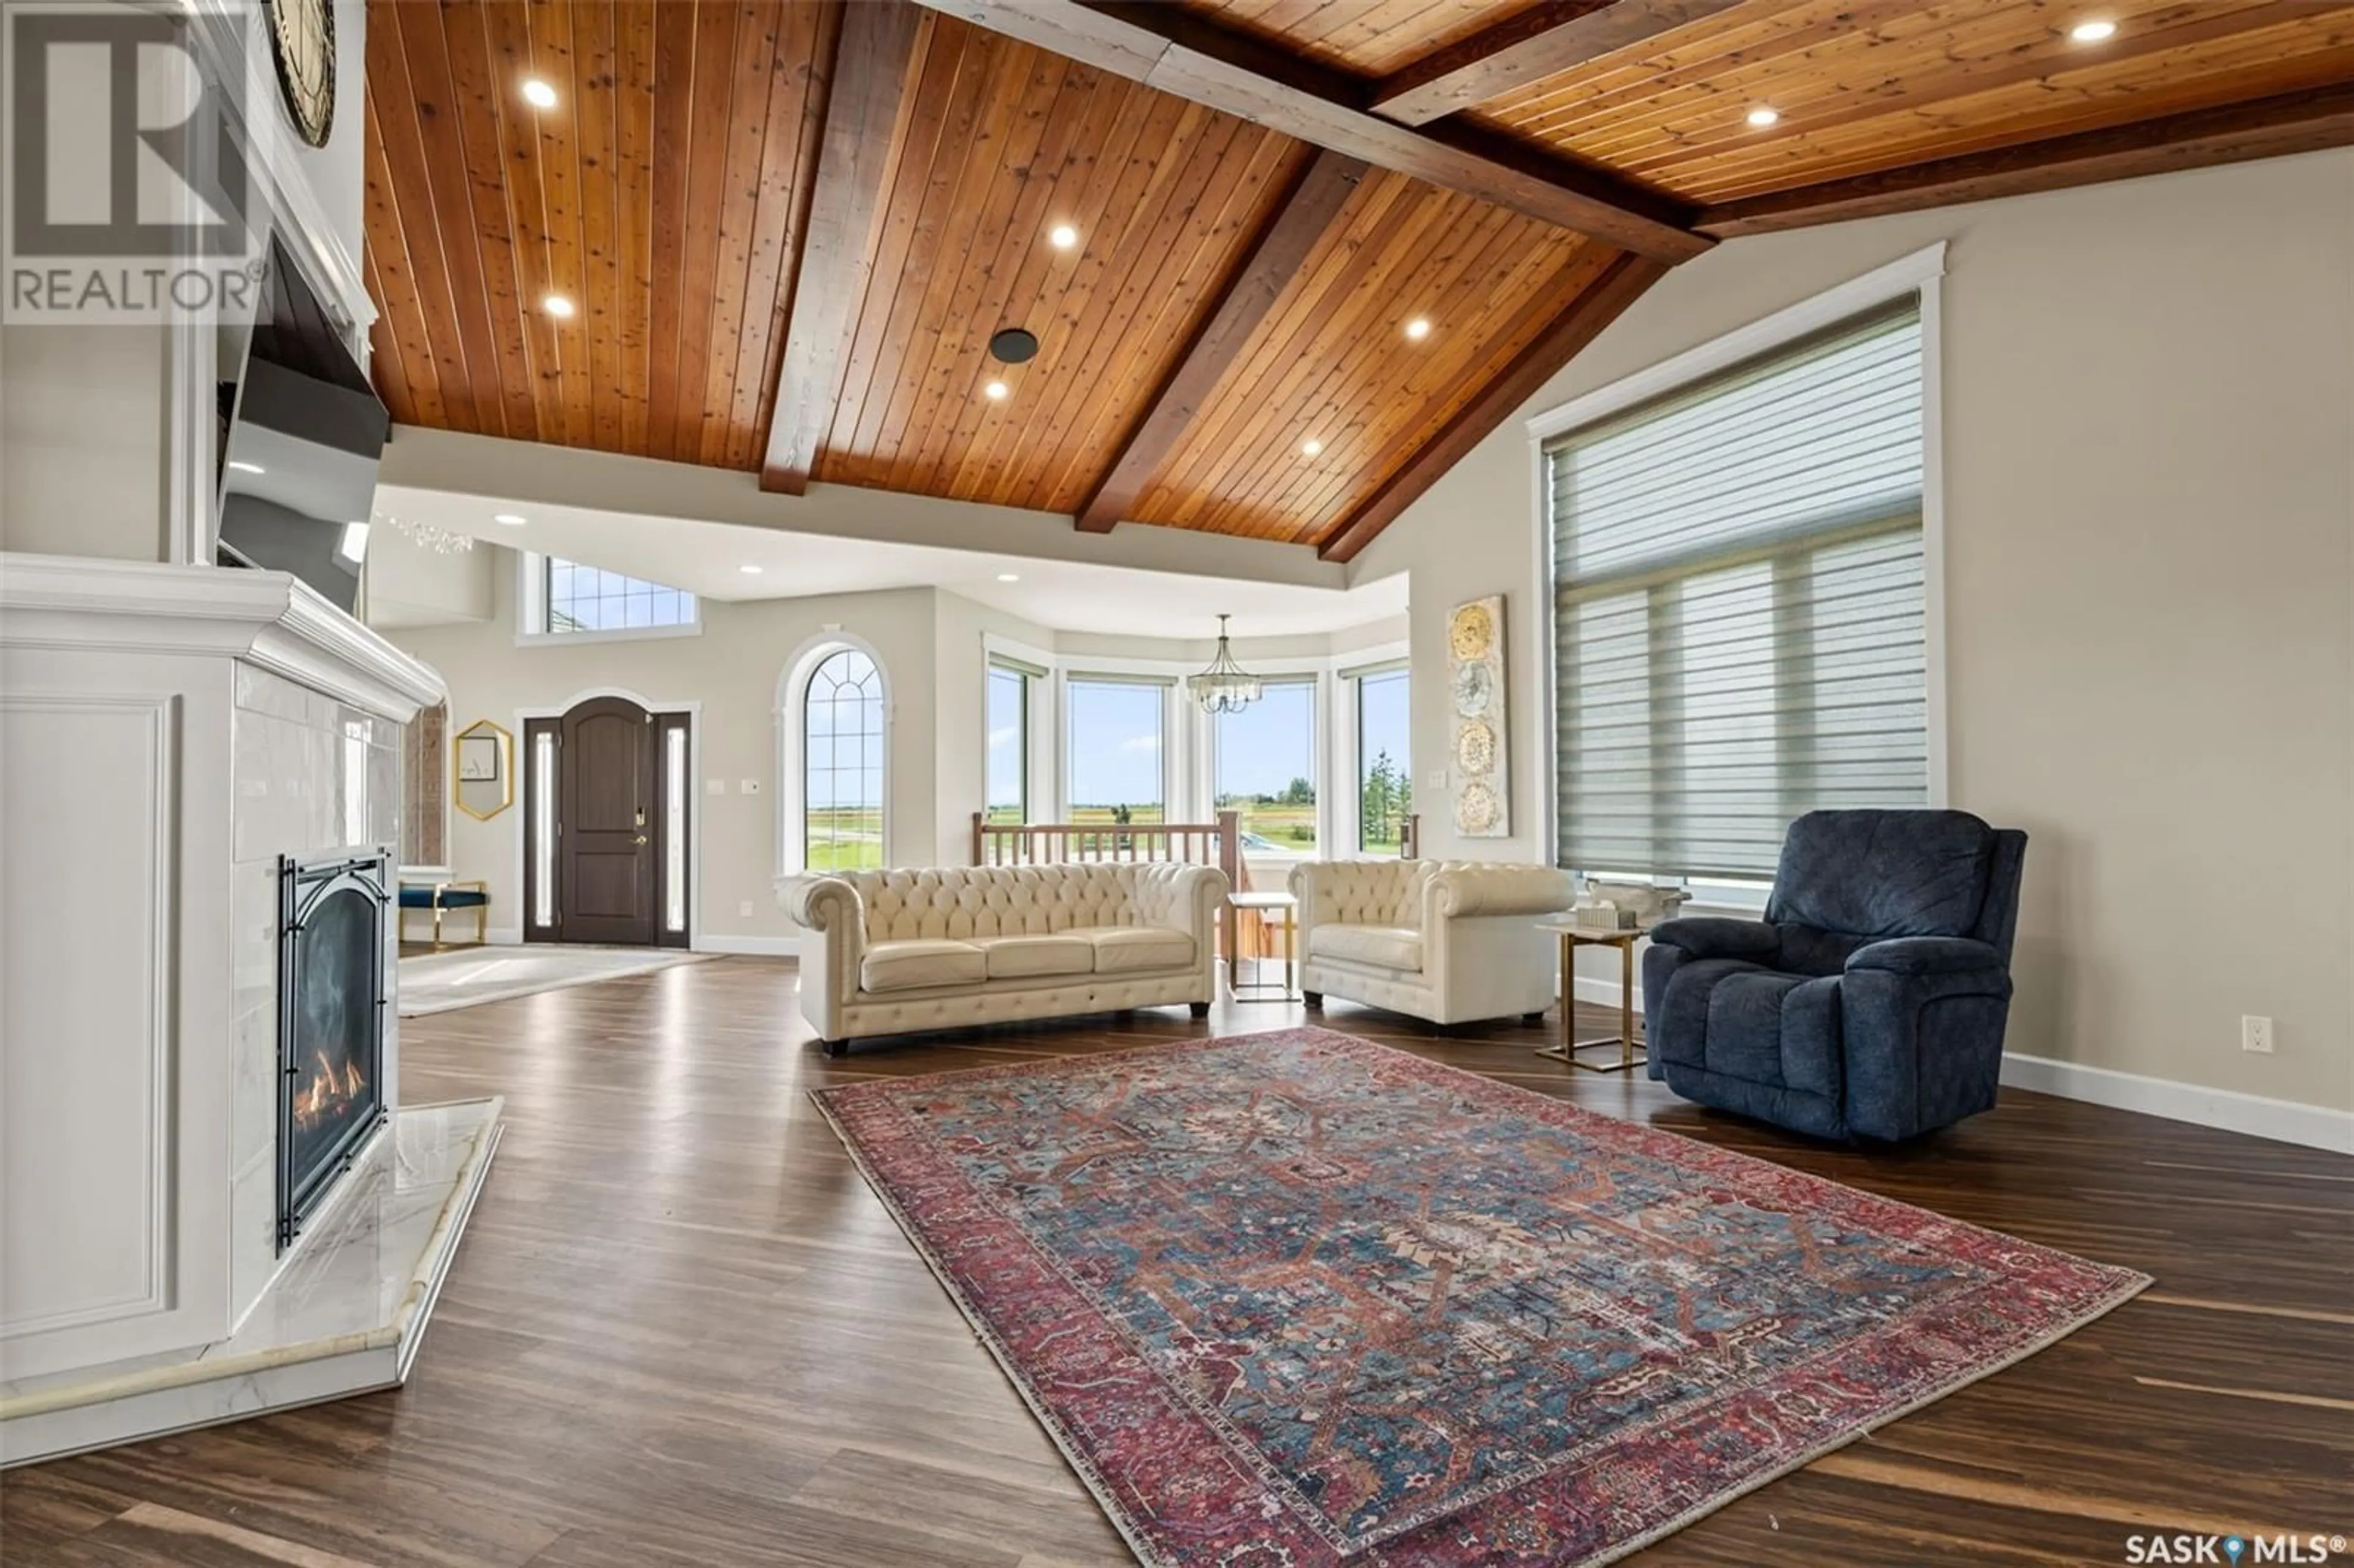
(2256, 1034)
(749, 786)
(743, 906)
(1438, 777)
(715, 785)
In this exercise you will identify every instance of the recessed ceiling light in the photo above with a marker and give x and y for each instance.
(537, 94)
(1761, 115)
(511, 519)
(244, 467)
(1310, 446)
(1417, 329)
(2092, 32)
(995, 391)
(558, 306)
(750, 571)
(1009, 576)
(1063, 236)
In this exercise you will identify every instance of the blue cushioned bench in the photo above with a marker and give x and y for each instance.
(443, 897)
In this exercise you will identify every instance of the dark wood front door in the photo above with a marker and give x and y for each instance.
(609, 888)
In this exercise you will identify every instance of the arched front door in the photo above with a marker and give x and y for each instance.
(608, 839)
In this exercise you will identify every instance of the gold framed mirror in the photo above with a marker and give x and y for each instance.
(481, 770)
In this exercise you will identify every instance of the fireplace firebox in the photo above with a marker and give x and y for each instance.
(331, 1002)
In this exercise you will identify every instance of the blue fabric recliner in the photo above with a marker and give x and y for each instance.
(1870, 1002)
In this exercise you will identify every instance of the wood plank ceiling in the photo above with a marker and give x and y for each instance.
(844, 201)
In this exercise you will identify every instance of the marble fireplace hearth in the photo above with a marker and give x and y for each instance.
(170, 737)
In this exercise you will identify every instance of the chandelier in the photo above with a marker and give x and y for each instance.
(1225, 687)
(425, 535)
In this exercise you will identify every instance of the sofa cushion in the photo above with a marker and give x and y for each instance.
(1389, 947)
(911, 965)
(1022, 958)
(1781, 1030)
(1135, 949)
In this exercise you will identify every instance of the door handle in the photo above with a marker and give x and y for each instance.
(640, 839)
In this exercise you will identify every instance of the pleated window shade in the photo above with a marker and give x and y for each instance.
(1740, 623)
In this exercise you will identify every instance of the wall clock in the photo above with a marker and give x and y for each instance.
(1475, 681)
(303, 44)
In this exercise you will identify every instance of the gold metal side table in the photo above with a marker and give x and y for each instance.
(1573, 937)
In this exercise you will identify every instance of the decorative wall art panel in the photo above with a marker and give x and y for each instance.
(1475, 689)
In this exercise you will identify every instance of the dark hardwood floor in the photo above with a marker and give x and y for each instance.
(681, 1333)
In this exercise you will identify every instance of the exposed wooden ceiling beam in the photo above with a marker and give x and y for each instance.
(1169, 48)
(1578, 324)
(1303, 208)
(1542, 41)
(2293, 123)
(872, 65)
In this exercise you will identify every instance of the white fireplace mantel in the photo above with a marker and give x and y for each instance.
(170, 736)
(269, 619)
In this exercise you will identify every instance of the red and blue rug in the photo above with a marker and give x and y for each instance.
(1295, 1298)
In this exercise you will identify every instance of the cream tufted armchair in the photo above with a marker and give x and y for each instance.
(895, 951)
(1445, 941)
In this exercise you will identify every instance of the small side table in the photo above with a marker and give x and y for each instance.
(1630, 1052)
(1263, 905)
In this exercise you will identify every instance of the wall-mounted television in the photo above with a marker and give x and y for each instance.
(301, 434)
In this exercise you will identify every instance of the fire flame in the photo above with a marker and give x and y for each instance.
(330, 1090)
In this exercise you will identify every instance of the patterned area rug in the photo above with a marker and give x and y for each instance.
(1296, 1299)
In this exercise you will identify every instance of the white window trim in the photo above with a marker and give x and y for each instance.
(1349, 828)
(1921, 273)
(793, 718)
(531, 591)
(1189, 757)
(1039, 724)
(1323, 717)
(1182, 796)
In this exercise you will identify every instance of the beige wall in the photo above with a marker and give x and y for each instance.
(732, 668)
(83, 416)
(2147, 414)
(933, 646)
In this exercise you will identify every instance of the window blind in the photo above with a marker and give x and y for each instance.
(1740, 616)
(1019, 666)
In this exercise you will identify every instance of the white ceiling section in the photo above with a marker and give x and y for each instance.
(709, 558)
(697, 528)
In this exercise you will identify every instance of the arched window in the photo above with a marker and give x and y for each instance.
(842, 763)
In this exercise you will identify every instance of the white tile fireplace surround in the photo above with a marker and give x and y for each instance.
(167, 733)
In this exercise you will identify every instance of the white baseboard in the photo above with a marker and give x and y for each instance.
(1604, 992)
(2285, 1121)
(749, 946)
(504, 936)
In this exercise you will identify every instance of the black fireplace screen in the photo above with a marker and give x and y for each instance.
(330, 997)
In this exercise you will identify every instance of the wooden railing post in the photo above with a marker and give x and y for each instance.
(978, 818)
(1230, 860)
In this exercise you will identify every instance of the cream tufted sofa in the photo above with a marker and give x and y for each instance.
(1445, 941)
(902, 950)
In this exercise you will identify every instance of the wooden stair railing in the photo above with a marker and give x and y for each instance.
(1217, 843)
